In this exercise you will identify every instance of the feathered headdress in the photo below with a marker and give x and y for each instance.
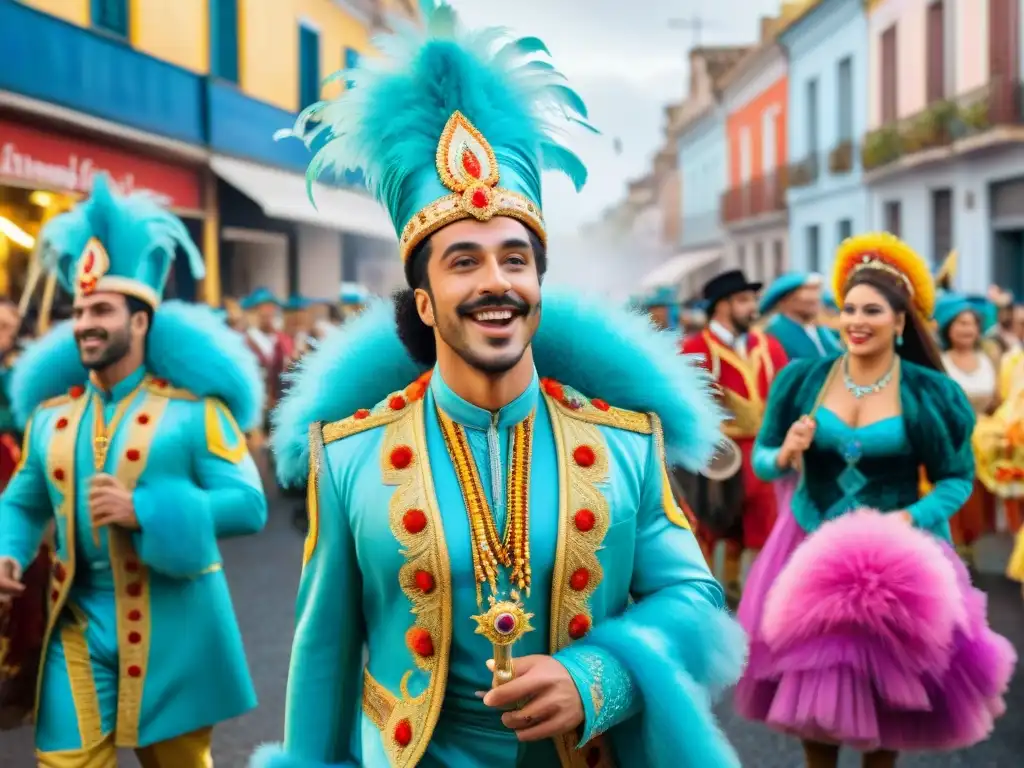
(448, 125)
(885, 252)
(118, 244)
(946, 275)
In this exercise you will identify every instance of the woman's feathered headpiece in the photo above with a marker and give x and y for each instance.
(885, 252)
(118, 244)
(448, 124)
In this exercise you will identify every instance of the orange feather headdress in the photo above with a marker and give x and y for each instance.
(886, 252)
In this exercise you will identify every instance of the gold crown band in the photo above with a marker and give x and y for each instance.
(456, 207)
(126, 287)
(870, 263)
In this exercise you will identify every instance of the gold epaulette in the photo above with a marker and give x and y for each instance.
(53, 402)
(595, 410)
(163, 387)
(390, 409)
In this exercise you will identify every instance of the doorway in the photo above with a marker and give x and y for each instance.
(1008, 260)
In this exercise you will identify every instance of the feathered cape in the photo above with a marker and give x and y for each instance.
(600, 350)
(188, 345)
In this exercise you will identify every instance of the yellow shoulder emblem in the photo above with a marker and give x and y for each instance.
(53, 402)
(390, 409)
(223, 437)
(595, 411)
(163, 387)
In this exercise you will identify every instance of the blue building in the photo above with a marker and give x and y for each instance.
(827, 49)
(703, 169)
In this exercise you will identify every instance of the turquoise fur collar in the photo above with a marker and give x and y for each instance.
(599, 350)
(188, 345)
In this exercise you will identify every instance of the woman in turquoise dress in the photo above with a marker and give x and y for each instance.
(854, 638)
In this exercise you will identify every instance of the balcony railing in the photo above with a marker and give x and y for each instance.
(804, 172)
(757, 197)
(974, 113)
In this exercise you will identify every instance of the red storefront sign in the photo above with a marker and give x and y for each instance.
(52, 161)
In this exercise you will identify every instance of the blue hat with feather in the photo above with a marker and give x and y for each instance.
(297, 303)
(115, 244)
(784, 286)
(447, 125)
(664, 296)
(258, 298)
(949, 306)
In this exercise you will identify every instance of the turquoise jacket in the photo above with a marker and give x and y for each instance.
(621, 594)
(933, 433)
(181, 451)
(797, 342)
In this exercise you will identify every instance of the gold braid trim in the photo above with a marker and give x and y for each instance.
(583, 520)
(595, 411)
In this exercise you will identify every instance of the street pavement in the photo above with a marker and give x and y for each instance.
(264, 572)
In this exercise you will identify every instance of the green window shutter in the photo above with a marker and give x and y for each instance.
(111, 16)
(309, 66)
(224, 39)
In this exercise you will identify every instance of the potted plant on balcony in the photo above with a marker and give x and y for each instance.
(931, 128)
(840, 159)
(881, 147)
(799, 175)
(975, 115)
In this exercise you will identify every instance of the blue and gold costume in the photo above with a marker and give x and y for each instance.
(142, 649)
(617, 586)
(797, 339)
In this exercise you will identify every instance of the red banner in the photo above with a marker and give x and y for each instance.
(53, 161)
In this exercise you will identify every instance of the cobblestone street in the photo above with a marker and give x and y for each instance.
(264, 573)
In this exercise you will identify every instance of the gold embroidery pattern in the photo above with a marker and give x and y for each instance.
(378, 701)
(60, 470)
(583, 522)
(163, 387)
(80, 676)
(415, 521)
(316, 447)
(131, 578)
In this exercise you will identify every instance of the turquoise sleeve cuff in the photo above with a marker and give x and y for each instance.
(177, 536)
(607, 691)
(945, 499)
(765, 462)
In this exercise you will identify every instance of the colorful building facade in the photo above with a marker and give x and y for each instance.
(183, 98)
(827, 50)
(944, 151)
(753, 207)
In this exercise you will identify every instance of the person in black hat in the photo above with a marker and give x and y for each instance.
(743, 361)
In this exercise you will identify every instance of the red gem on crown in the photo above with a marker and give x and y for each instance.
(471, 164)
(480, 198)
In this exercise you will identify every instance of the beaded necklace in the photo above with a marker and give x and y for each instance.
(859, 391)
(491, 552)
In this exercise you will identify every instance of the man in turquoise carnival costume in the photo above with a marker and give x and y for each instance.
(794, 302)
(133, 451)
(504, 546)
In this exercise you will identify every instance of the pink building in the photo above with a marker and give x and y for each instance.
(944, 152)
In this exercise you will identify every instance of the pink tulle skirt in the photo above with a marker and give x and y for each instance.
(869, 634)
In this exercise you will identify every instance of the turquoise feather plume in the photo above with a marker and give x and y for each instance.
(140, 237)
(389, 122)
(189, 345)
(598, 350)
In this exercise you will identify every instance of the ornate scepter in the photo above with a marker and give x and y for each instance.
(503, 624)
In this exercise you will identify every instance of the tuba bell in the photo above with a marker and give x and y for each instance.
(726, 462)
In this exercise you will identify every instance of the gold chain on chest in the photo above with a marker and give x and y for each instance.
(102, 435)
(489, 550)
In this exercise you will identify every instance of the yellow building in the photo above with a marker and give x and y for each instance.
(187, 109)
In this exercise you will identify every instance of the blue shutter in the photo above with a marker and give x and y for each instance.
(224, 39)
(351, 62)
(111, 16)
(309, 66)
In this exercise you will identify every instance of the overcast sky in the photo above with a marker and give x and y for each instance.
(627, 63)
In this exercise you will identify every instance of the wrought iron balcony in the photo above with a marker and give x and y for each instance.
(763, 195)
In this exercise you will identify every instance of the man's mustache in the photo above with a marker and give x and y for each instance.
(508, 301)
(84, 335)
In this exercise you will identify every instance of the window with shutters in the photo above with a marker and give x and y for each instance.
(887, 73)
(935, 52)
(812, 117)
(893, 217)
(111, 16)
(1003, 59)
(942, 224)
(779, 254)
(844, 100)
(844, 230)
(224, 39)
(813, 248)
(309, 66)
(768, 139)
